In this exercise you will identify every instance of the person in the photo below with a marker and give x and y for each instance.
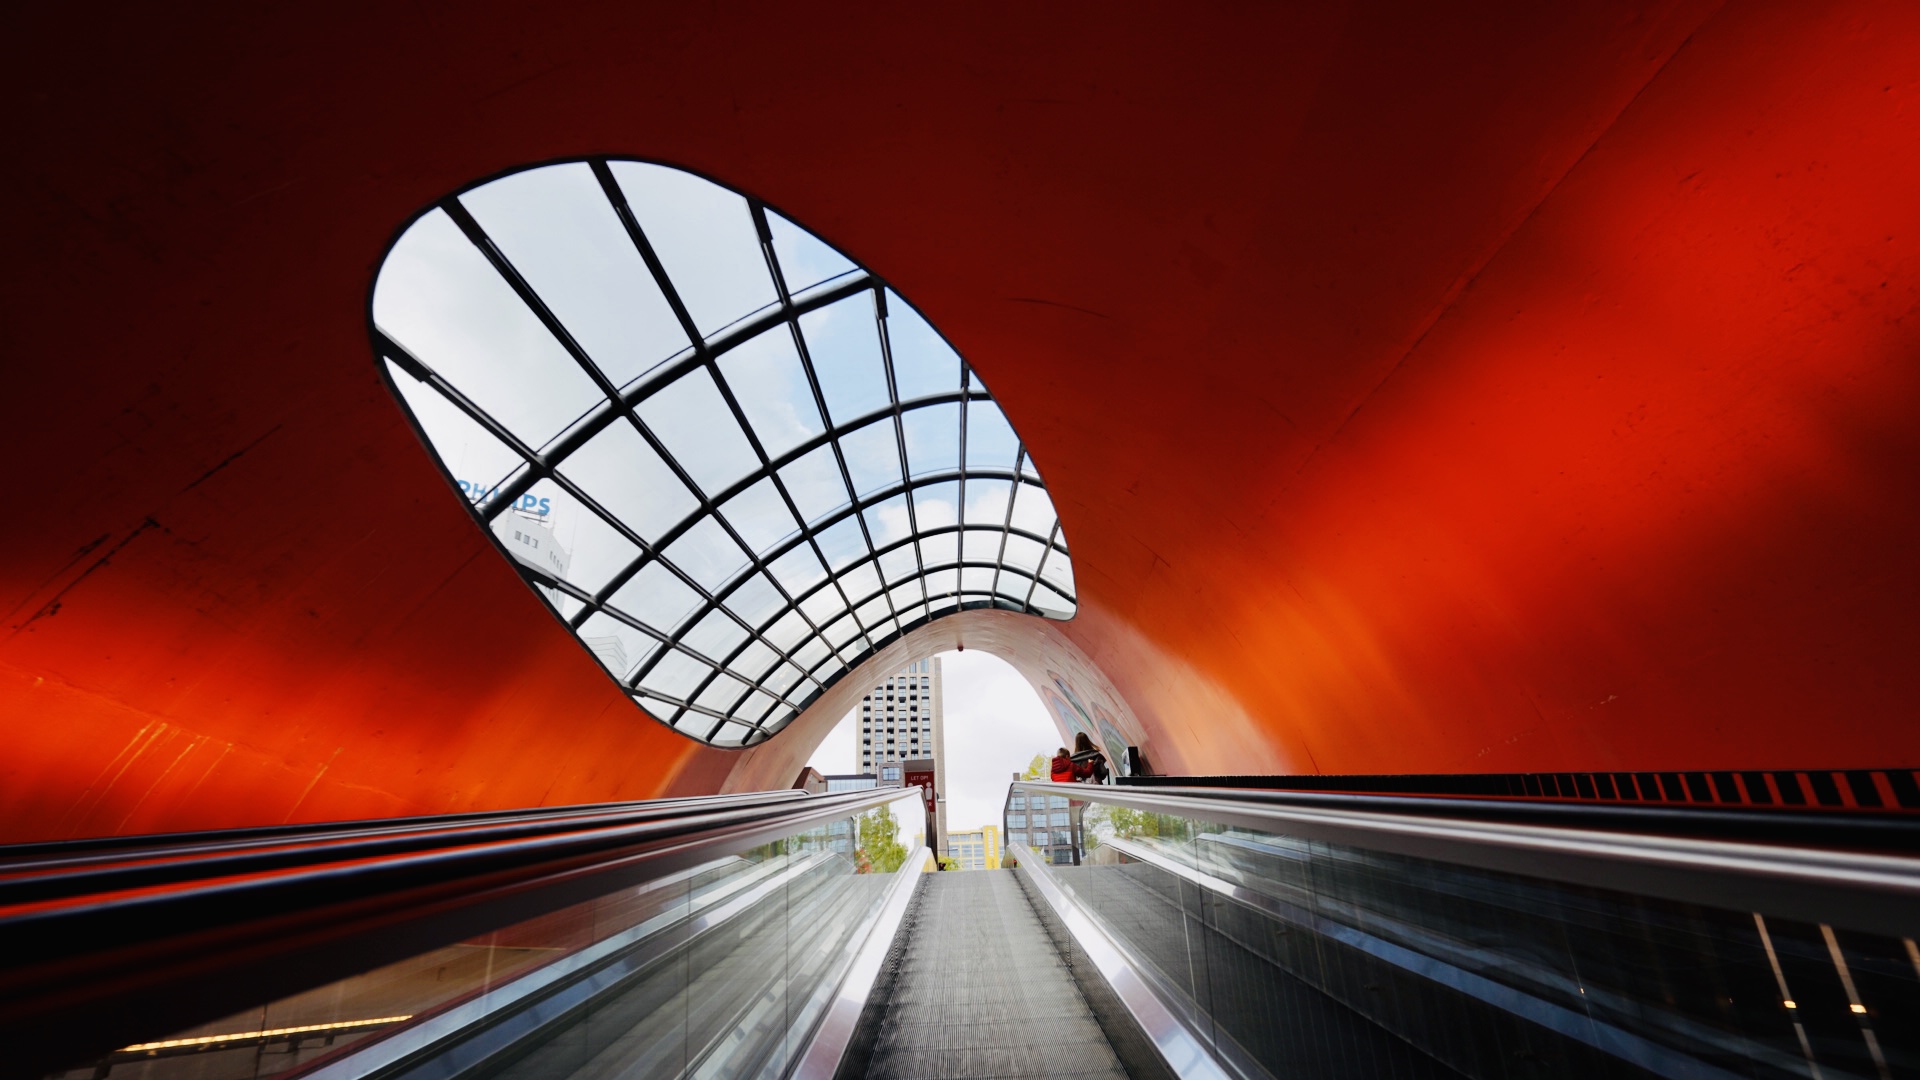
(1089, 764)
(1062, 770)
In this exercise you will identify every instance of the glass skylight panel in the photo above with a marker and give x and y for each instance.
(1032, 511)
(798, 570)
(597, 552)
(933, 440)
(707, 554)
(937, 506)
(873, 457)
(704, 235)
(656, 596)
(700, 590)
(787, 631)
(980, 545)
(760, 516)
(923, 363)
(618, 470)
(814, 481)
(991, 443)
(987, 501)
(770, 384)
(441, 300)
(899, 563)
(478, 461)
(842, 543)
(843, 342)
(558, 230)
(804, 260)
(694, 424)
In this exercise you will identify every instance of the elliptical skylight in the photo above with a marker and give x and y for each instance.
(734, 462)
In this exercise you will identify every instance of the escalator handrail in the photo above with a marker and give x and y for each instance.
(51, 877)
(1872, 891)
(42, 853)
(1867, 830)
(90, 969)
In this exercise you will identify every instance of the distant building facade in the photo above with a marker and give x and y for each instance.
(903, 718)
(975, 849)
(1043, 823)
(840, 836)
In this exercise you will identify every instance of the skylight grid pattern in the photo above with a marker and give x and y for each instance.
(734, 462)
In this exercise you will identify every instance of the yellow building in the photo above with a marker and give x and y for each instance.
(975, 849)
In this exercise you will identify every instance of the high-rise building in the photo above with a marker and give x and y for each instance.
(901, 718)
(610, 651)
(529, 538)
(975, 849)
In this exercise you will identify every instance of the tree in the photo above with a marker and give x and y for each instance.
(880, 849)
(1037, 769)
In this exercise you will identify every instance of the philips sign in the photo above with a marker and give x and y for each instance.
(479, 494)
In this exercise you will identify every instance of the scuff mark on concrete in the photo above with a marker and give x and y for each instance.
(1056, 303)
(130, 753)
(85, 549)
(311, 784)
(194, 744)
(52, 606)
(229, 459)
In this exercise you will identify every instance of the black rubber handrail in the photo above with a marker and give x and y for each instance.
(1857, 830)
(16, 855)
(100, 955)
(51, 877)
(1847, 877)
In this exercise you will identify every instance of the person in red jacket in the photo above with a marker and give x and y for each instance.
(1089, 764)
(1062, 770)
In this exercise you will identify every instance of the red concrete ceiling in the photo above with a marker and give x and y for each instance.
(1531, 388)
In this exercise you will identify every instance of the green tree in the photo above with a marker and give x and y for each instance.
(880, 849)
(1037, 769)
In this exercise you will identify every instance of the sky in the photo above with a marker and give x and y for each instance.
(995, 723)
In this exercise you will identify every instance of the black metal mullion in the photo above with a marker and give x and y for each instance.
(624, 408)
(830, 437)
(758, 211)
(883, 495)
(597, 419)
(705, 358)
(900, 438)
(412, 365)
(831, 579)
(680, 527)
(710, 600)
(1044, 556)
(962, 564)
(765, 234)
(1006, 523)
(939, 531)
(960, 511)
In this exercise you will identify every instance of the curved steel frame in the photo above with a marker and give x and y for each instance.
(855, 629)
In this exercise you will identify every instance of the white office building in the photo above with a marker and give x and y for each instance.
(901, 719)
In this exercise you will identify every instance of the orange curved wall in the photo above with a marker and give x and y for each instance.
(1533, 389)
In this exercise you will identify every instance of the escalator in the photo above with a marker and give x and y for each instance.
(1190, 931)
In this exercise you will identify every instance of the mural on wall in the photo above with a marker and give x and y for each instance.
(1099, 724)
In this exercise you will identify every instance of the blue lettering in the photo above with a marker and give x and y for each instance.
(528, 502)
(546, 507)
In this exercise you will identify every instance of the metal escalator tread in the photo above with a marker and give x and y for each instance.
(982, 992)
